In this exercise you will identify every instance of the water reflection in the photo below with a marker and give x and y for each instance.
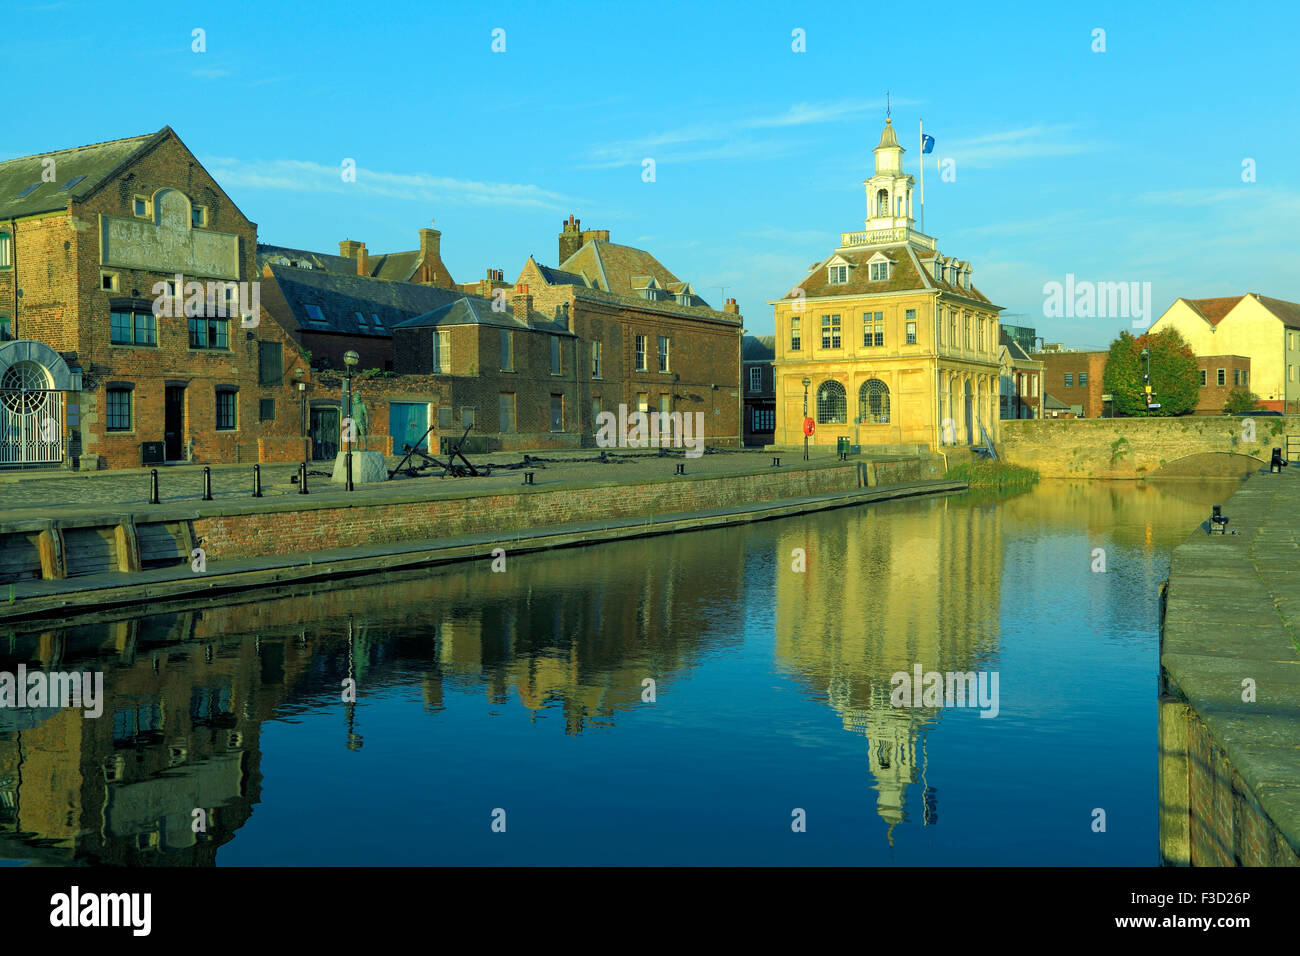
(570, 637)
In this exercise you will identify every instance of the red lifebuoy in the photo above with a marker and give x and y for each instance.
(808, 426)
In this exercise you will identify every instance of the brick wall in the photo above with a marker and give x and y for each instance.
(63, 304)
(285, 532)
(1057, 365)
(1211, 397)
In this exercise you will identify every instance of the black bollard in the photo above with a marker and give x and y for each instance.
(681, 469)
(776, 461)
(302, 478)
(153, 486)
(348, 486)
(257, 481)
(528, 477)
(207, 483)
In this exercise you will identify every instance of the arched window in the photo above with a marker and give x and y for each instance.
(832, 404)
(873, 402)
(882, 203)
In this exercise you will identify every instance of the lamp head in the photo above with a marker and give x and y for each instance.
(351, 358)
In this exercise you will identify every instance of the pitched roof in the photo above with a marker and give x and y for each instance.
(623, 270)
(559, 276)
(85, 168)
(1051, 401)
(907, 274)
(316, 260)
(471, 310)
(758, 348)
(1214, 310)
(340, 296)
(394, 265)
(1014, 348)
(1288, 312)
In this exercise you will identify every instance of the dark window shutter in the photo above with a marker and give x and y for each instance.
(270, 364)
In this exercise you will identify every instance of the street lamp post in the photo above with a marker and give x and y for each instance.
(350, 359)
(298, 375)
(804, 423)
(1146, 381)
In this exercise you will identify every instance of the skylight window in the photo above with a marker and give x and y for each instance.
(29, 190)
(70, 183)
(314, 315)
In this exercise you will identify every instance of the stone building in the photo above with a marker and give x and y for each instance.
(130, 321)
(759, 387)
(897, 344)
(1264, 330)
(648, 339)
(1021, 379)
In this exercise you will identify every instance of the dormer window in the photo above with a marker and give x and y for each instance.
(837, 275)
(940, 270)
(879, 271)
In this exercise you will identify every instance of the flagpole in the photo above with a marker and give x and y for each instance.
(921, 157)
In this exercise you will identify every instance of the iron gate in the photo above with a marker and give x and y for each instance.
(31, 417)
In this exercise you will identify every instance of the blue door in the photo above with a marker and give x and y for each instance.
(408, 423)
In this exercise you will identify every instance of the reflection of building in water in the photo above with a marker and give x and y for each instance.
(887, 587)
(188, 692)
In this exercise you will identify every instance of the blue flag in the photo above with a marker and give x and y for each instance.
(927, 143)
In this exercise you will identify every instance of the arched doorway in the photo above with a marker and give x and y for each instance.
(33, 380)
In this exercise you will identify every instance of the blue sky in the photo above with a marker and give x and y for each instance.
(1117, 166)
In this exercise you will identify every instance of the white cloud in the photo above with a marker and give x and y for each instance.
(726, 140)
(291, 175)
(997, 149)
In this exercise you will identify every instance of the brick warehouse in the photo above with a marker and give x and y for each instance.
(88, 372)
(626, 331)
(648, 340)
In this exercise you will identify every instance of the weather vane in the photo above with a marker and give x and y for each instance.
(888, 114)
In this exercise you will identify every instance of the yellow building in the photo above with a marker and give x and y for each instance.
(897, 344)
(1265, 330)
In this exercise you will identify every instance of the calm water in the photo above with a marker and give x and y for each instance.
(523, 691)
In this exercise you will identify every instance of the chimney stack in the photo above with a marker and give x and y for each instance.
(589, 234)
(348, 248)
(430, 254)
(570, 238)
(730, 307)
(363, 260)
(522, 303)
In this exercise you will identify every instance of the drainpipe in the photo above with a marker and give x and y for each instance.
(13, 268)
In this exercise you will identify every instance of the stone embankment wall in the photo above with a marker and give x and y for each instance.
(260, 533)
(1146, 447)
(1229, 765)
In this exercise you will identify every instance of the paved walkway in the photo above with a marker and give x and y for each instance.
(51, 494)
(1233, 614)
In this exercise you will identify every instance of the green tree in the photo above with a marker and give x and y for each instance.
(1174, 377)
(1240, 400)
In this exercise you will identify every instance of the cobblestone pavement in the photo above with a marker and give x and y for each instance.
(58, 491)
